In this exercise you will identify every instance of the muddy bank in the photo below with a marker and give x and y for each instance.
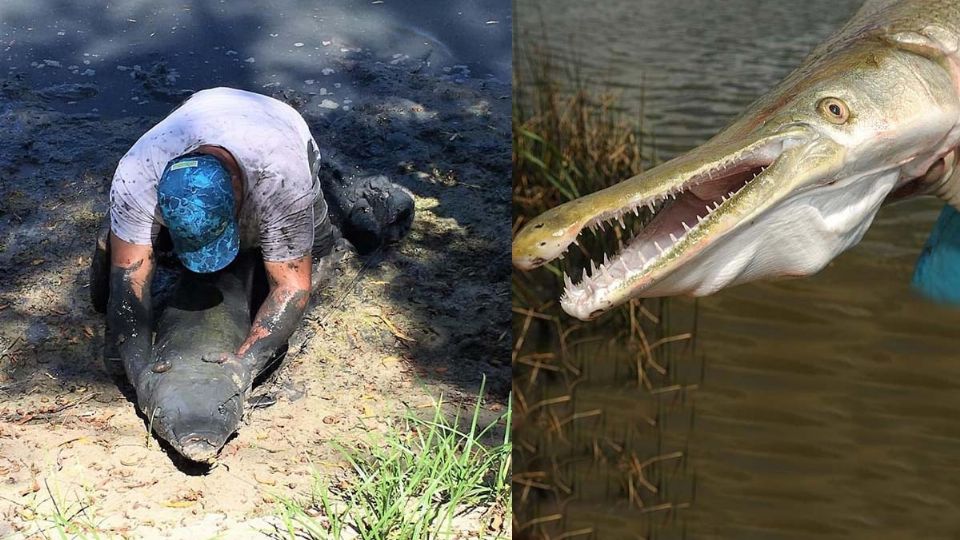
(395, 329)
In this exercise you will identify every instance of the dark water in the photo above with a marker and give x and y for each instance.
(829, 407)
(141, 56)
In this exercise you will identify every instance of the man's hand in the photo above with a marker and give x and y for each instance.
(280, 313)
(129, 314)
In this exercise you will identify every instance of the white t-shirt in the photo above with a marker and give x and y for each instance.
(269, 140)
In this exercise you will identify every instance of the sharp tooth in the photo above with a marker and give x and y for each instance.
(685, 226)
(593, 268)
(650, 207)
(699, 219)
(730, 194)
(606, 260)
(622, 225)
(567, 282)
(576, 241)
(658, 247)
(708, 209)
(673, 238)
(636, 210)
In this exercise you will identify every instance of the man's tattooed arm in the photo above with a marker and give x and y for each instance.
(281, 312)
(129, 314)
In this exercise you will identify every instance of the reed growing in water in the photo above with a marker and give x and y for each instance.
(569, 141)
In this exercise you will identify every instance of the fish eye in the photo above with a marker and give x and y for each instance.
(835, 110)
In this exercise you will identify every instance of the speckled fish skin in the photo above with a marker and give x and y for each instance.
(196, 405)
(895, 67)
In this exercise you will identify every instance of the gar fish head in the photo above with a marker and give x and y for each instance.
(793, 182)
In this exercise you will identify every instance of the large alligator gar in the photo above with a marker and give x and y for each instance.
(872, 115)
(197, 403)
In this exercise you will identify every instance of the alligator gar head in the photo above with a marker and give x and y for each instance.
(793, 182)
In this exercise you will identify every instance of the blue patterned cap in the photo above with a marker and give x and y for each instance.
(197, 203)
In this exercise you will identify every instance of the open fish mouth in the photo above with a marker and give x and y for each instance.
(695, 200)
(677, 219)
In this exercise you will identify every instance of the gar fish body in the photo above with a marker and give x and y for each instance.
(196, 404)
(871, 116)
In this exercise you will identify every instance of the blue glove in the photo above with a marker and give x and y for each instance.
(937, 274)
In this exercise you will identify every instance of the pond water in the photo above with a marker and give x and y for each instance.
(131, 57)
(826, 407)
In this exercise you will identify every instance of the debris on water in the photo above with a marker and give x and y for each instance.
(456, 73)
(298, 44)
(323, 91)
(69, 92)
(52, 63)
(88, 72)
(309, 81)
(250, 60)
(326, 43)
(232, 52)
(159, 81)
(492, 22)
(329, 104)
(327, 71)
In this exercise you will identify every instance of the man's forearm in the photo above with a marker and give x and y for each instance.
(129, 320)
(275, 322)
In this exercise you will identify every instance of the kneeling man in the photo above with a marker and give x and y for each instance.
(227, 170)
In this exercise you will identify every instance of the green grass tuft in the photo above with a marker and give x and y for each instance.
(424, 478)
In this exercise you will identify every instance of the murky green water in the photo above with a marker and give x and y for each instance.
(828, 407)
